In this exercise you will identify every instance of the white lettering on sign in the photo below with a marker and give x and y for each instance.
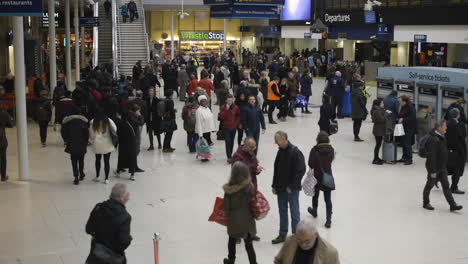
(337, 18)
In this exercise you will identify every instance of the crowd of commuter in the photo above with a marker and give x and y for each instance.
(109, 115)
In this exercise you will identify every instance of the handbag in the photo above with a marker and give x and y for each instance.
(102, 254)
(259, 205)
(399, 130)
(218, 215)
(327, 178)
(203, 149)
(309, 183)
(168, 125)
(114, 138)
(333, 127)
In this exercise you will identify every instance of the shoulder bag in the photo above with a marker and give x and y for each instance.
(327, 178)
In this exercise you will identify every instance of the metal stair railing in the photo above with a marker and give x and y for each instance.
(144, 31)
(115, 46)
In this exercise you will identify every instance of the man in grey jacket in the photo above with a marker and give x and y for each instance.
(183, 80)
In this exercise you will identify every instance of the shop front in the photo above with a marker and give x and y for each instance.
(201, 43)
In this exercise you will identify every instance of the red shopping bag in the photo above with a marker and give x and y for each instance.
(218, 214)
(259, 205)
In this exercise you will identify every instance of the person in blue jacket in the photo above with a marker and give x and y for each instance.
(391, 104)
(336, 91)
(252, 119)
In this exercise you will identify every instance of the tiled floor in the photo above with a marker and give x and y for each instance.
(377, 210)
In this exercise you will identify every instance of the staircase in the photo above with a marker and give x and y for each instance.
(132, 40)
(104, 36)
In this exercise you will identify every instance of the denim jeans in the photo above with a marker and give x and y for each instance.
(192, 138)
(291, 199)
(229, 135)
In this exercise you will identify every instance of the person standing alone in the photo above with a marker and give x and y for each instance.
(289, 168)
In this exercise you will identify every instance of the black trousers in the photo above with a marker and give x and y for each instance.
(150, 136)
(106, 164)
(328, 201)
(132, 15)
(265, 106)
(248, 247)
(456, 177)
(3, 162)
(271, 109)
(337, 102)
(357, 123)
(229, 135)
(283, 108)
(167, 140)
(207, 136)
(378, 144)
(442, 177)
(77, 165)
(240, 136)
(407, 147)
(43, 130)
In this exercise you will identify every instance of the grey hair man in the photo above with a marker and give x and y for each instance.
(306, 246)
(109, 225)
(436, 166)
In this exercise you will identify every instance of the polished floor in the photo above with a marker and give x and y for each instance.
(377, 218)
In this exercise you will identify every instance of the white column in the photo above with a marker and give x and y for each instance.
(67, 45)
(225, 35)
(172, 34)
(52, 47)
(20, 92)
(77, 40)
(83, 55)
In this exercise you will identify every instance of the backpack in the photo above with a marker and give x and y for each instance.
(161, 106)
(41, 111)
(422, 146)
(192, 117)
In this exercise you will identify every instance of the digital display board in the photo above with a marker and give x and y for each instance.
(295, 10)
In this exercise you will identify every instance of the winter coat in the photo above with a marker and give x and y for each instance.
(63, 109)
(325, 253)
(183, 79)
(293, 86)
(170, 80)
(306, 85)
(391, 104)
(358, 104)
(205, 121)
(236, 205)
(207, 85)
(326, 115)
(379, 118)
(436, 153)
(252, 119)
(152, 118)
(218, 78)
(193, 84)
(101, 143)
(336, 87)
(185, 116)
(424, 124)
(249, 159)
(109, 224)
(75, 133)
(408, 113)
(326, 154)
(456, 138)
(289, 168)
(132, 7)
(5, 122)
(43, 110)
(264, 87)
(230, 117)
(127, 145)
(149, 80)
(460, 109)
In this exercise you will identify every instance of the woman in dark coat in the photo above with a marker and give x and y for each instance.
(358, 108)
(153, 120)
(321, 157)
(327, 114)
(379, 118)
(306, 89)
(76, 134)
(170, 82)
(127, 145)
(240, 221)
(168, 123)
(456, 134)
(241, 101)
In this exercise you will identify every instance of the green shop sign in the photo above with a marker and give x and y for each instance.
(202, 35)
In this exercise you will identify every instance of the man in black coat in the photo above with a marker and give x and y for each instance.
(336, 91)
(153, 120)
(132, 8)
(289, 168)
(436, 166)
(109, 224)
(149, 80)
(252, 119)
(407, 117)
(456, 134)
(459, 104)
(5, 122)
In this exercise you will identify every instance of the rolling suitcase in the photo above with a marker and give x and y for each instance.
(389, 152)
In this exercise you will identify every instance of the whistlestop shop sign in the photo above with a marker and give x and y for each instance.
(202, 35)
(20, 7)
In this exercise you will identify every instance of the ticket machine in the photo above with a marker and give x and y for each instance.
(405, 87)
(384, 87)
(450, 94)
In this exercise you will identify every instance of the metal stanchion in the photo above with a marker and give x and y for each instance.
(156, 239)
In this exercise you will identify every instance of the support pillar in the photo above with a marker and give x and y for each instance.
(83, 55)
(67, 45)
(52, 47)
(77, 40)
(225, 35)
(20, 92)
(172, 34)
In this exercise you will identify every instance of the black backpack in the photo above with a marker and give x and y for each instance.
(422, 146)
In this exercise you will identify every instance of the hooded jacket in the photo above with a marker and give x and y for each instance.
(289, 169)
(109, 224)
(249, 159)
(358, 104)
(326, 153)
(75, 133)
(236, 205)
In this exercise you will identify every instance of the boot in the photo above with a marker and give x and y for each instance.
(229, 261)
(312, 211)
(328, 223)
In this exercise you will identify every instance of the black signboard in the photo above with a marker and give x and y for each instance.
(428, 91)
(89, 22)
(20, 7)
